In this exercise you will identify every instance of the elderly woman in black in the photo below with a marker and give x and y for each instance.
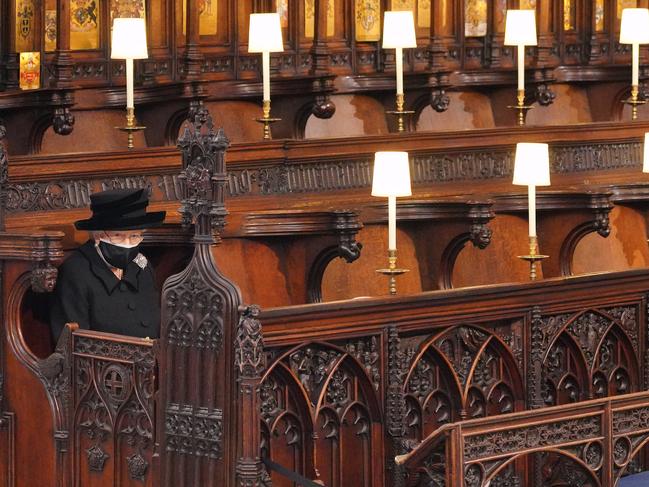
(107, 284)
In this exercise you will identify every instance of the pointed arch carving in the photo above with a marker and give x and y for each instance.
(463, 372)
(593, 351)
(332, 400)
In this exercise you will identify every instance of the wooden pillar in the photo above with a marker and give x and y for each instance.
(320, 49)
(62, 62)
(546, 32)
(4, 39)
(9, 55)
(193, 57)
(443, 47)
(249, 365)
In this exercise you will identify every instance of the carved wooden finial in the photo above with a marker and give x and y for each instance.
(203, 176)
(4, 174)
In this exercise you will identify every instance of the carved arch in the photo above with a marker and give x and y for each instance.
(476, 362)
(51, 371)
(419, 104)
(569, 245)
(635, 450)
(331, 389)
(565, 362)
(584, 335)
(350, 252)
(302, 116)
(449, 257)
(626, 359)
(37, 133)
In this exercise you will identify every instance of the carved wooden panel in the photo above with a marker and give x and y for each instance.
(592, 353)
(320, 402)
(465, 371)
(113, 397)
(588, 444)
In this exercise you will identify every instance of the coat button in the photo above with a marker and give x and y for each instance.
(145, 324)
(131, 306)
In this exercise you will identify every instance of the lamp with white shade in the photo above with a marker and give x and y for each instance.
(129, 42)
(634, 30)
(399, 33)
(520, 31)
(391, 179)
(532, 169)
(265, 36)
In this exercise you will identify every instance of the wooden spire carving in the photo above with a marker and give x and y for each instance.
(200, 423)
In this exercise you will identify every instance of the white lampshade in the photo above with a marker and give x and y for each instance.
(645, 160)
(129, 39)
(520, 28)
(532, 164)
(635, 26)
(265, 33)
(399, 30)
(391, 176)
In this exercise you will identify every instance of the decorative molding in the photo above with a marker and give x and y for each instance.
(502, 443)
(320, 177)
(86, 344)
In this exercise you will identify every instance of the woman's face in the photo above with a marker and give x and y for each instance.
(126, 238)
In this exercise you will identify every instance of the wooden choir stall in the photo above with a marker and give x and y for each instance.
(528, 383)
(287, 356)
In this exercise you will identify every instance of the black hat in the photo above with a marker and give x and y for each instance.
(120, 209)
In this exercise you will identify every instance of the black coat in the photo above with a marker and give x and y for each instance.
(88, 293)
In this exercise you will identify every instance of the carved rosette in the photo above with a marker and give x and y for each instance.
(96, 458)
(137, 466)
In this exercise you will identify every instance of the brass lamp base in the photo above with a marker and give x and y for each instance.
(533, 257)
(266, 119)
(521, 107)
(634, 101)
(400, 113)
(392, 272)
(130, 127)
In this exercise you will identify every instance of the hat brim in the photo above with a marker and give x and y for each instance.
(148, 220)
